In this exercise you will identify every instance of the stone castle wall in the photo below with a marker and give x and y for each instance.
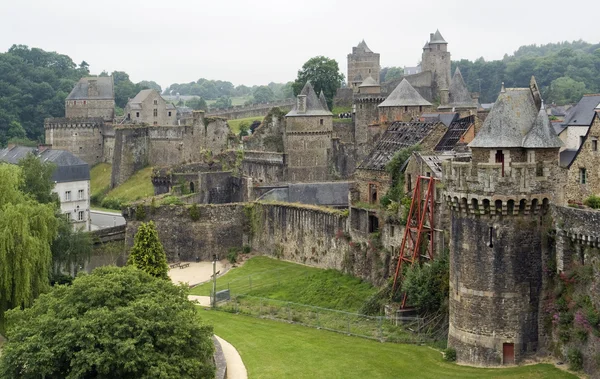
(104, 109)
(254, 110)
(264, 167)
(308, 147)
(84, 137)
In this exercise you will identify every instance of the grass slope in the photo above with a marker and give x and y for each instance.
(288, 281)
(100, 178)
(135, 188)
(235, 124)
(273, 349)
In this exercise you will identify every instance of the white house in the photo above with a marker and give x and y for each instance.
(71, 179)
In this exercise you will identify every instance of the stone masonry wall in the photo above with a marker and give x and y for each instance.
(588, 159)
(254, 110)
(82, 137)
(104, 109)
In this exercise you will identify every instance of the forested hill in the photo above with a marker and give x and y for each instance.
(34, 84)
(564, 71)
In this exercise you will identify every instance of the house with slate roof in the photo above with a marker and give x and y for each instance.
(403, 104)
(71, 180)
(148, 107)
(92, 97)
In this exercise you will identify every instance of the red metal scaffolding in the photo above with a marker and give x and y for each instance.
(419, 226)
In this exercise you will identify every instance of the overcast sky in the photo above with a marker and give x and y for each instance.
(259, 41)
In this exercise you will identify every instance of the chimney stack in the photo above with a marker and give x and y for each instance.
(301, 102)
(92, 88)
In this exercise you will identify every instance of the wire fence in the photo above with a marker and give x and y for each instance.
(411, 330)
(256, 281)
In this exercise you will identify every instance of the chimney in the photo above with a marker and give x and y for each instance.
(301, 103)
(92, 88)
(43, 147)
(431, 37)
(475, 97)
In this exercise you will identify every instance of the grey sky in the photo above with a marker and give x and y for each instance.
(259, 41)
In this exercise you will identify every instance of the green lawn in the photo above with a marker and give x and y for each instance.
(235, 124)
(100, 178)
(273, 349)
(137, 187)
(275, 279)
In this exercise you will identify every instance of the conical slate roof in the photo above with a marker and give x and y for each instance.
(363, 46)
(369, 82)
(542, 134)
(404, 96)
(437, 38)
(459, 96)
(512, 118)
(313, 104)
(323, 100)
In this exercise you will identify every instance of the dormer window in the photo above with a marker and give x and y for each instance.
(155, 102)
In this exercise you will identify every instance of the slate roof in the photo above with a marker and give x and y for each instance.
(511, 118)
(313, 104)
(446, 118)
(459, 95)
(567, 157)
(141, 96)
(323, 100)
(363, 46)
(69, 167)
(437, 38)
(404, 95)
(542, 134)
(582, 114)
(369, 82)
(397, 136)
(455, 131)
(104, 85)
(558, 126)
(324, 194)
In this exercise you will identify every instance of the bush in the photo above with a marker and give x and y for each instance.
(450, 354)
(232, 255)
(575, 359)
(246, 249)
(593, 202)
(112, 203)
(140, 212)
(194, 213)
(171, 200)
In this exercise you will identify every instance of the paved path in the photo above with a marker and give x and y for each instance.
(198, 273)
(101, 219)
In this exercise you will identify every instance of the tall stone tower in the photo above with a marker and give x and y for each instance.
(436, 58)
(362, 63)
(307, 138)
(498, 202)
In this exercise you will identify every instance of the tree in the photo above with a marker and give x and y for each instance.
(71, 249)
(222, 102)
(323, 73)
(244, 128)
(198, 104)
(150, 84)
(427, 286)
(263, 94)
(392, 73)
(26, 230)
(113, 323)
(37, 179)
(147, 253)
(565, 90)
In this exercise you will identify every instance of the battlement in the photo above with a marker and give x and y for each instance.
(496, 189)
(258, 106)
(263, 157)
(368, 98)
(74, 122)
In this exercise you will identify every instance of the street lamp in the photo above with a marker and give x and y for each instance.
(214, 302)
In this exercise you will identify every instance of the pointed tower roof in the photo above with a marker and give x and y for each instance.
(404, 96)
(459, 94)
(542, 134)
(363, 46)
(323, 101)
(369, 82)
(313, 104)
(437, 38)
(510, 120)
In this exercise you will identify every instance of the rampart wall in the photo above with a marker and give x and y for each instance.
(254, 110)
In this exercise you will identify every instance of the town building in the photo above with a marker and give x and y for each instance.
(148, 107)
(71, 180)
(92, 97)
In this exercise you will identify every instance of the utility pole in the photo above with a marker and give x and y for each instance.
(214, 291)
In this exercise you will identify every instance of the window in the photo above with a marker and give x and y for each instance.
(68, 216)
(405, 109)
(372, 193)
(67, 195)
(80, 194)
(155, 113)
(373, 224)
(80, 215)
(582, 176)
(137, 114)
(369, 71)
(321, 122)
(169, 113)
(75, 102)
(581, 139)
(531, 156)
(420, 108)
(500, 159)
(155, 102)
(594, 144)
(84, 102)
(409, 182)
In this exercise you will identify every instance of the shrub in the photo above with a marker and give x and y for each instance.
(171, 200)
(575, 359)
(112, 203)
(593, 202)
(140, 212)
(194, 213)
(450, 354)
(246, 249)
(153, 206)
(232, 255)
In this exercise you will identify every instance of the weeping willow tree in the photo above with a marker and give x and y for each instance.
(27, 228)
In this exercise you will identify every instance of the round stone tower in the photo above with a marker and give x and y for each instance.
(498, 201)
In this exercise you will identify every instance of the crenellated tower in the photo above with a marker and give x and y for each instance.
(498, 202)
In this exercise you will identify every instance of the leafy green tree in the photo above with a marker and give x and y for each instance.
(147, 253)
(27, 228)
(263, 94)
(151, 84)
(197, 103)
(71, 249)
(222, 102)
(113, 323)
(37, 179)
(565, 90)
(244, 128)
(324, 74)
(392, 73)
(427, 286)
